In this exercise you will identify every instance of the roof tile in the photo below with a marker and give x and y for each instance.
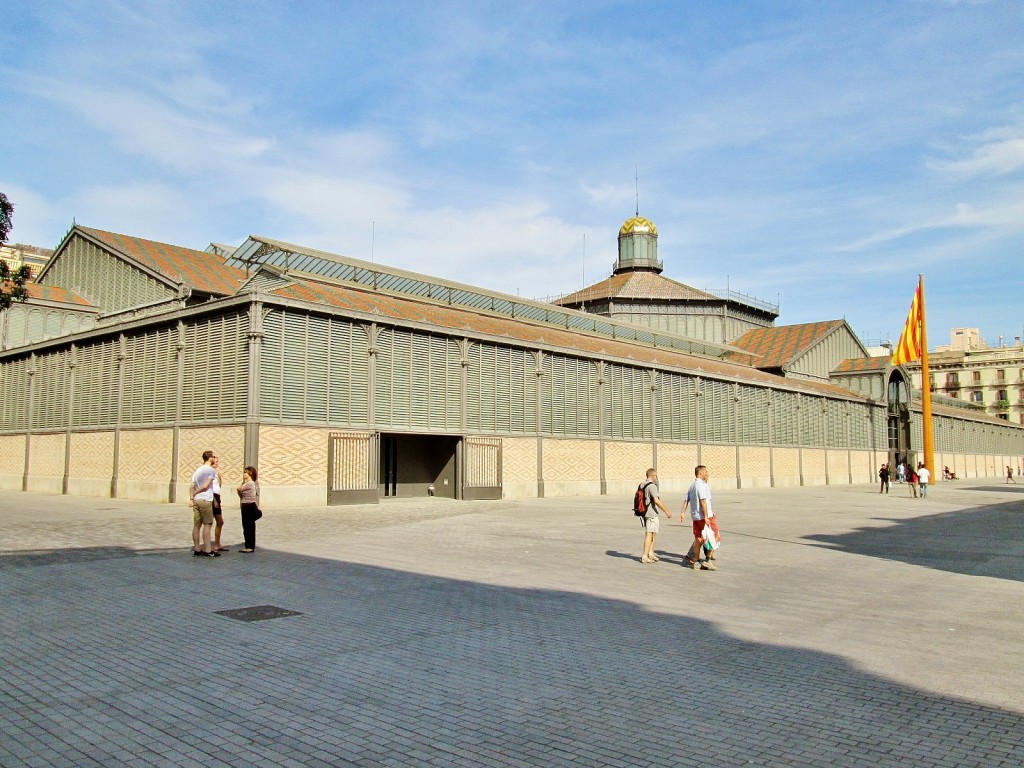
(780, 346)
(201, 271)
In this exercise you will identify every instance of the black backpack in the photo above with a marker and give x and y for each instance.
(640, 499)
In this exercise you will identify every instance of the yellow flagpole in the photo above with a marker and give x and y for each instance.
(926, 393)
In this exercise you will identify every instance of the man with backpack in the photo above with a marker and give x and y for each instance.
(646, 504)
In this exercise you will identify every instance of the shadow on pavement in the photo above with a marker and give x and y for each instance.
(1005, 488)
(982, 541)
(32, 558)
(112, 656)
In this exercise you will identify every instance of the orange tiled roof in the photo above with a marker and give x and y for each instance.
(53, 293)
(202, 271)
(405, 308)
(859, 364)
(636, 285)
(780, 346)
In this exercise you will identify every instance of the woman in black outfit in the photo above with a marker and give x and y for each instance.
(249, 495)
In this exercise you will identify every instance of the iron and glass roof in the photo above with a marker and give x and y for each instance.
(287, 257)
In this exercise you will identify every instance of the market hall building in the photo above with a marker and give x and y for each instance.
(349, 382)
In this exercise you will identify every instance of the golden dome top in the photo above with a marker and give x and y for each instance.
(640, 225)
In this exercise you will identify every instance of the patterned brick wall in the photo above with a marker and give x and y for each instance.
(92, 455)
(787, 462)
(720, 460)
(865, 466)
(627, 461)
(677, 461)
(838, 467)
(146, 455)
(519, 460)
(814, 464)
(293, 456)
(572, 460)
(228, 442)
(755, 461)
(12, 454)
(47, 456)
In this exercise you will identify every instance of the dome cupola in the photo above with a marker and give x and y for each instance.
(638, 247)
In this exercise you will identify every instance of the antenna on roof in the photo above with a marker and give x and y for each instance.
(636, 179)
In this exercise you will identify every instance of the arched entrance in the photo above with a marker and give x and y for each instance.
(898, 419)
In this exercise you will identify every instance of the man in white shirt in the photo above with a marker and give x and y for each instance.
(923, 476)
(698, 499)
(201, 501)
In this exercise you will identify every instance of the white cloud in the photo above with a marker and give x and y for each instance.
(1007, 214)
(999, 152)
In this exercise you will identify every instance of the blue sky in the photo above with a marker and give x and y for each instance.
(813, 153)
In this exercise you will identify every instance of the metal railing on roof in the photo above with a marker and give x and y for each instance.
(289, 258)
(742, 298)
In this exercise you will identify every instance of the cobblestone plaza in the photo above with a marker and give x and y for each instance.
(843, 628)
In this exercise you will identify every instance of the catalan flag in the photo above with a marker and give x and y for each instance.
(910, 347)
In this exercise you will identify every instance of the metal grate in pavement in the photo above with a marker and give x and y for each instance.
(258, 613)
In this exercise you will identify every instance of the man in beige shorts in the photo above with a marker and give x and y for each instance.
(201, 501)
(651, 521)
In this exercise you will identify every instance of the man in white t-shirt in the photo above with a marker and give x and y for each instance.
(923, 476)
(698, 500)
(201, 501)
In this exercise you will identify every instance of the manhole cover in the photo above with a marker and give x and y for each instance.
(258, 613)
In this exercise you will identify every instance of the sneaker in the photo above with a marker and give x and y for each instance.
(213, 554)
(198, 553)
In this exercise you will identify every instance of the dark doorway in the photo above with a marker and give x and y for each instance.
(417, 466)
(898, 420)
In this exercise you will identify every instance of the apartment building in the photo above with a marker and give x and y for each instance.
(989, 378)
(18, 254)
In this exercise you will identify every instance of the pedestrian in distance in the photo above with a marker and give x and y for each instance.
(912, 480)
(883, 475)
(901, 472)
(249, 496)
(1009, 475)
(698, 501)
(651, 521)
(923, 477)
(201, 502)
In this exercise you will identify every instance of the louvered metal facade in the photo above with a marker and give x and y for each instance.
(106, 281)
(315, 390)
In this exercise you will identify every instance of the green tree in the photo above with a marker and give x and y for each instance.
(12, 281)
